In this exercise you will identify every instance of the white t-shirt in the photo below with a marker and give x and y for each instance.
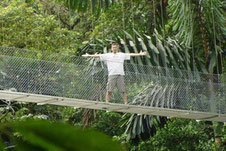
(115, 62)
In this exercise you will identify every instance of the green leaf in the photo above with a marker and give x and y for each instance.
(128, 35)
(155, 58)
(61, 137)
(151, 45)
(2, 147)
(80, 6)
(85, 7)
(135, 125)
(107, 3)
(202, 67)
(162, 53)
(212, 63)
(136, 51)
(93, 6)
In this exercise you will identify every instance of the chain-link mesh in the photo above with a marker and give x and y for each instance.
(82, 78)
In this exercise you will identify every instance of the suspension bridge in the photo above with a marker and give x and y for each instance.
(29, 76)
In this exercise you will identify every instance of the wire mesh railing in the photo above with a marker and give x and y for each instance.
(81, 78)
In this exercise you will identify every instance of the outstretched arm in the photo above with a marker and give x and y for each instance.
(93, 56)
(138, 54)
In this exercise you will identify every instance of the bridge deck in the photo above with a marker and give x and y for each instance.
(112, 107)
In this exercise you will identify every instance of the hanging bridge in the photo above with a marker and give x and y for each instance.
(29, 76)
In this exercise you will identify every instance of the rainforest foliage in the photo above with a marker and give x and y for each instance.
(181, 34)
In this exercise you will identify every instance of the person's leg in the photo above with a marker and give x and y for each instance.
(108, 96)
(110, 87)
(121, 88)
(124, 95)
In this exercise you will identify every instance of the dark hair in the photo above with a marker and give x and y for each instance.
(114, 43)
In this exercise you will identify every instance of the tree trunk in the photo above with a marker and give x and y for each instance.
(202, 29)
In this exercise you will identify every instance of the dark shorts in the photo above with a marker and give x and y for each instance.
(116, 81)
